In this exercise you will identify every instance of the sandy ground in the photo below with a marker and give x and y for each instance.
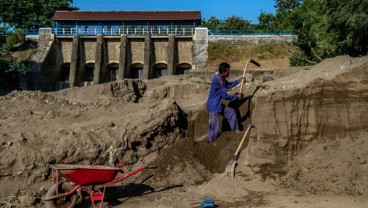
(164, 122)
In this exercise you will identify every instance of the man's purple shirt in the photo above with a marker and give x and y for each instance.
(219, 93)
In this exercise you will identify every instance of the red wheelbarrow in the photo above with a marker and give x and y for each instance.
(83, 178)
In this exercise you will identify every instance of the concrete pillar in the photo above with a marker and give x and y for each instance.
(147, 57)
(171, 55)
(74, 60)
(200, 45)
(122, 72)
(98, 60)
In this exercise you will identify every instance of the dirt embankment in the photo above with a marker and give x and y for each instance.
(309, 137)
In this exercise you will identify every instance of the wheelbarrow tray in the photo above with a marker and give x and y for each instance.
(87, 174)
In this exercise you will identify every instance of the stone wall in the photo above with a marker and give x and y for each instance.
(251, 39)
(39, 65)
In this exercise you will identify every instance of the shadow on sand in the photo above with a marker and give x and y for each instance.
(116, 195)
(236, 104)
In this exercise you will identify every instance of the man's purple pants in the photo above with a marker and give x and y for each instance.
(229, 115)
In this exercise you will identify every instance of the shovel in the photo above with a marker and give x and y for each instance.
(230, 167)
(245, 70)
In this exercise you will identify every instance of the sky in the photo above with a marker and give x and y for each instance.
(221, 9)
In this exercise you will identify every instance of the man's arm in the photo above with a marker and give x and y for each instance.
(225, 96)
(232, 84)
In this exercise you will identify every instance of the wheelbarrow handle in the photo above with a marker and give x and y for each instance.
(151, 167)
(125, 163)
(126, 175)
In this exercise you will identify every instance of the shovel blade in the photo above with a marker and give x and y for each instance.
(230, 168)
(232, 172)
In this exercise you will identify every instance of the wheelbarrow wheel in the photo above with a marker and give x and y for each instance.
(63, 202)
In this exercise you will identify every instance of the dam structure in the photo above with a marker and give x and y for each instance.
(92, 47)
(87, 48)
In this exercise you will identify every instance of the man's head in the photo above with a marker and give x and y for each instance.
(224, 69)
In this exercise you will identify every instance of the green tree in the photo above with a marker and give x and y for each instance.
(347, 21)
(13, 38)
(308, 24)
(327, 28)
(283, 10)
(11, 70)
(266, 21)
(31, 13)
(213, 23)
(230, 23)
(236, 23)
(286, 6)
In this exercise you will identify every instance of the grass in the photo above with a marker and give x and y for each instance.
(236, 54)
(272, 51)
(226, 51)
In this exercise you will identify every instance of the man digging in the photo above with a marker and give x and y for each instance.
(215, 106)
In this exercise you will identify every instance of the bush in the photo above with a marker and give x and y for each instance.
(11, 71)
(14, 38)
(11, 40)
(21, 37)
(16, 67)
(300, 59)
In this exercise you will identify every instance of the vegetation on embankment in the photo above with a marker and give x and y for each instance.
(325, 28)
(269, 55)
(14, 54)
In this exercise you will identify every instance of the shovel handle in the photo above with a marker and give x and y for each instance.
(242, 82)
(242, 140)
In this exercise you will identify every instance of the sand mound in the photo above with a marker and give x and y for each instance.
(320, 106)
(337, 166)
(310, 133)
(91, 125)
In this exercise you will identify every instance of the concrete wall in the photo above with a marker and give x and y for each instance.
(135, 50)
(41, 64)
(184, 51)
(65, 49)
(200, 54)
(251, 39)
(112, 46)
(73, 59)
(159, 50)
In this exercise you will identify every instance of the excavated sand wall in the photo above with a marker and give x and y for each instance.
(330, 102)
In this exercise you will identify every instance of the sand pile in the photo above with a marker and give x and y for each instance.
(309, 135)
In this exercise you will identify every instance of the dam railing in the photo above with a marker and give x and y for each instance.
(153, 31)
(117, 31)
